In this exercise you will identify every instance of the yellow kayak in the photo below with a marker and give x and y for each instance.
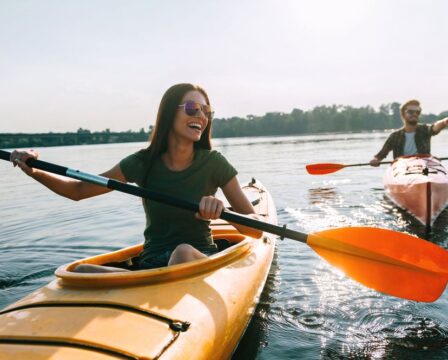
(195, 310)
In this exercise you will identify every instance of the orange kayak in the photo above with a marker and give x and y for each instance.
(195, 310)
(419, 185)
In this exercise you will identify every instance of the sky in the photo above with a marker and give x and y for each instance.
(105, 64)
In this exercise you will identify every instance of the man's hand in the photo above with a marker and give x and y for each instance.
(375, 162)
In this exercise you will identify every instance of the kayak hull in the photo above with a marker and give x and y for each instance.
(195, 310)
(418, 185)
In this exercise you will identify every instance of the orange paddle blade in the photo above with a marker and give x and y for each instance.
(322, 169)
(387, 261)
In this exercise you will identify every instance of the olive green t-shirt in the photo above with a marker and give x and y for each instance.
(168, 226)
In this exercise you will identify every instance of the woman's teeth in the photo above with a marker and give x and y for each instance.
(195, 126)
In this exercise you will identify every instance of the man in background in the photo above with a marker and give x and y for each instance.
(413, 138)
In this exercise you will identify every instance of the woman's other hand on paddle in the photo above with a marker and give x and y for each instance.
(209, 208)
(19, 158)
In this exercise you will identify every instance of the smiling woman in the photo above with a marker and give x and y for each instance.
(178, 161)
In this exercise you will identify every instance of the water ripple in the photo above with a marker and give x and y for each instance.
(309, 310)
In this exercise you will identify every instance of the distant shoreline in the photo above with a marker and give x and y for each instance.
(322, 119)
(82, 137)
(33, 140)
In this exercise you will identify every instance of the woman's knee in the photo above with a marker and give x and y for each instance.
(184, 250)
(184, 253)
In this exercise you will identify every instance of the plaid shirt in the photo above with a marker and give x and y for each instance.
(396, 141)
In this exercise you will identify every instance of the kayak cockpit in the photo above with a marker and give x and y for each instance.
(236, 246)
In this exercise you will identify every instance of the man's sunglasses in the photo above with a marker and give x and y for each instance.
(414, 112)
(192, 108)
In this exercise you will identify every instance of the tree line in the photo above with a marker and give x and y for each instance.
(321, 119)
(80, 137)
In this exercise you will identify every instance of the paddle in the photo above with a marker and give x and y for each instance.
(329, 168)
(387, 261)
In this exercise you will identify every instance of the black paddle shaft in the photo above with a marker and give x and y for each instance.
(227, 215)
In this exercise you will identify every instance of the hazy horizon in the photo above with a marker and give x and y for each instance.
(106, 63)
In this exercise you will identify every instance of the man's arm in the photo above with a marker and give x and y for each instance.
(387, 147)
(438, 126)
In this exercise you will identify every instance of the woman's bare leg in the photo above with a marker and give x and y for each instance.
(88, 268)
(185, 253)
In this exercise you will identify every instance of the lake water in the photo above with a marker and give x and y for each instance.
(308, 310)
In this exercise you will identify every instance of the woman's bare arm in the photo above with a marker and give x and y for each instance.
(66, 187)
(240, 203)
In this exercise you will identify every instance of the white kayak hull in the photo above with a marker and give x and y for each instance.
(418, 185)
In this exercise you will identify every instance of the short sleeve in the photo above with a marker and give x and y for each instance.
(224, 170)
(430, 130)
(133, 168)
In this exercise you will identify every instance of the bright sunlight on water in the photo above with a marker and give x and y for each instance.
(308, 310)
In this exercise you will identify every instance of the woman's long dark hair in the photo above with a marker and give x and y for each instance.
(164, 123)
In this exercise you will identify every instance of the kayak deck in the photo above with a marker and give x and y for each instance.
(194, 310)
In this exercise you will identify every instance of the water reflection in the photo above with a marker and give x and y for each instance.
(322, 195)
(308, 310)
(403, 221)
(390, 336)
(342, 138)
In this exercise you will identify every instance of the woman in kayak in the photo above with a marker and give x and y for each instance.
(178, 161)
